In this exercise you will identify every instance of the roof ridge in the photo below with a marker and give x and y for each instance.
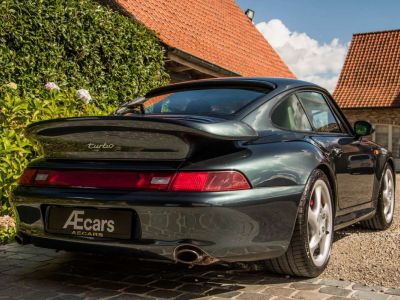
(376, 32)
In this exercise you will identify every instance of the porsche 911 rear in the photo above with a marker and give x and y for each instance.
(176, 187)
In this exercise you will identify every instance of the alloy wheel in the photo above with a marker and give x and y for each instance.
(320, 223)
(388, 195)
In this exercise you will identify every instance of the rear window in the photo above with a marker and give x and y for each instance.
(215, 101)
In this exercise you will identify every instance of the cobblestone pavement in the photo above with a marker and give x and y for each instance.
(33, 273)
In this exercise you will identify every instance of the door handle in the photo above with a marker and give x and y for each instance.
(336, 152)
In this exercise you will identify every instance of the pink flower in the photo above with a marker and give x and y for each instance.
(7, 222)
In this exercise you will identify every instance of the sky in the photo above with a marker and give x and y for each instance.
(313, 36)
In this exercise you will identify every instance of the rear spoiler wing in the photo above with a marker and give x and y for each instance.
(136, 137)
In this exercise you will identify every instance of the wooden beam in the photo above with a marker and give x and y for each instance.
(191, 65)
(179, 69)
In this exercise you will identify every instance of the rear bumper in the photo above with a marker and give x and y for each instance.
(230, 226)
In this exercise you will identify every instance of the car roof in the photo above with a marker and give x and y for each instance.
(267, 82)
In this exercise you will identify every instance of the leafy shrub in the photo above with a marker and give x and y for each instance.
(80, 44)
(16, 113)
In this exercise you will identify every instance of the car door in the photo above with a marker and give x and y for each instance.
(352, 157)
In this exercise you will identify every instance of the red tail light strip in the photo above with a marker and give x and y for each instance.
(213, 181)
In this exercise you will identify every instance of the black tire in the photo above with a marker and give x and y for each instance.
(378, 221)
(297, 261)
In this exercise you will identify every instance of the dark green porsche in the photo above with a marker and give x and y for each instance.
(237, 169)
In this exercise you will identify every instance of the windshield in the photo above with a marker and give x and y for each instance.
(213, 101)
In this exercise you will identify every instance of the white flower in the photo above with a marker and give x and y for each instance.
(84, 95)
(52, 86)
(12, 85)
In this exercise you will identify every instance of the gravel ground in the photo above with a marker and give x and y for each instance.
(366, 256)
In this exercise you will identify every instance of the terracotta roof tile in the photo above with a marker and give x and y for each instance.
(371, 73)
(216, 31)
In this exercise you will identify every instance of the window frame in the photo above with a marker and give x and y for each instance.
(344, 130)
(276, 105)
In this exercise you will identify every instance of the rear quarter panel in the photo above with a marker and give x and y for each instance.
(268, 164)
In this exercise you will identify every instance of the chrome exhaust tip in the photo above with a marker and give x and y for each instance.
(192, 255)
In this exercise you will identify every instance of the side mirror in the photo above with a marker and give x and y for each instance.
(363, 128)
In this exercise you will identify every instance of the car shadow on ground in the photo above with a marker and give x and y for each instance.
(100, 276)
(348, 231)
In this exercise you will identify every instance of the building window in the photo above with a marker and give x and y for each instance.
(389, 137)
(382, 135)
(396, 141)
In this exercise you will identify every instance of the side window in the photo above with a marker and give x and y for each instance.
(289, 114)
(318, 111)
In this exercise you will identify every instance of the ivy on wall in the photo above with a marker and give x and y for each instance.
(79, 44)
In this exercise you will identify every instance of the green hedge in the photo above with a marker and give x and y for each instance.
(16, 113)
(77, 44)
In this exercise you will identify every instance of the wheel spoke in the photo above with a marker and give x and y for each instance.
(386, 209)
(385, 197)
(314, 243)
(313, 220)
(386, 180)
(318, 199)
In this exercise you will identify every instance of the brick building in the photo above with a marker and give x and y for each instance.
(206, 38)
(369, 85)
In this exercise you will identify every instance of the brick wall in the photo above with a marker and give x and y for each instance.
(374, 115)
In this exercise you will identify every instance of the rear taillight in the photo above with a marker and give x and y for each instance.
(210, 181)
(99, 179)
(28, 177)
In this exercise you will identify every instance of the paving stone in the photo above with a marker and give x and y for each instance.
(109, 285)
(305, 286)
(138, 279)
(367, 295)
(189, 296)
(73, 289)
(100, 293)
(337, 283)
(333, 290)
(81, 281)
(164, 294)
(222, 293)
(253, 288)
(43, 294)
(196, 288)
(29, 273)
(166, 284)
(129, 297)
(278, 291)
(308, 295)
(40, 258)
(68, 297)
(393, 291)
(252, 296)
(364, 287)
(194, 279)
(138, 289)
(15, 291)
